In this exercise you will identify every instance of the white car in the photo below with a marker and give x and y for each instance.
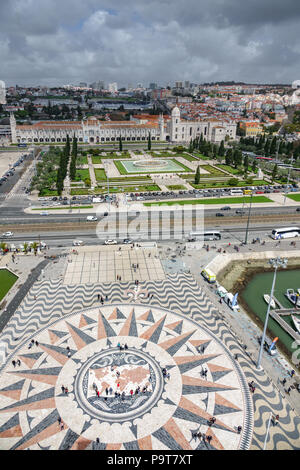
(91, 218)
(110, 242)
(77, 242)
(7, 234)
(44, 213)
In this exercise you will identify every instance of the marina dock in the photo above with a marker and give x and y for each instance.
(276, 314)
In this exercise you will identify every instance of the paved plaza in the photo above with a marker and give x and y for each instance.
(183, 367)
(110, 263)
(152, 395)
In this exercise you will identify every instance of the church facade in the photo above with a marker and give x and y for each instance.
(92, 130)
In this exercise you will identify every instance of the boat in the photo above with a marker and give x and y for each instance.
(296, 322)
(267, 300)
(293, 297)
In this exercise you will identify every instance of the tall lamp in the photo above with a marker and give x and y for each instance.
(275, 263)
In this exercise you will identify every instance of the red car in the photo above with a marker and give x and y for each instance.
(259, 192)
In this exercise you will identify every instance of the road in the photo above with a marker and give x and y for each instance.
(65, 237)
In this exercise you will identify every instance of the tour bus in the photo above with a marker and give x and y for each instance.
(286, 232)
(207, 235)
(236, 192)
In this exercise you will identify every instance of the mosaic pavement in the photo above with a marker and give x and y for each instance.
(31, 403)
(149, 396)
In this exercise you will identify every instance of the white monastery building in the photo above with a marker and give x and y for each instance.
(92, 130)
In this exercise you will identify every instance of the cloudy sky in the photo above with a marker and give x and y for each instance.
(55, 42)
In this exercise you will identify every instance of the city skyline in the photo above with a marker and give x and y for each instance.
(139, 42)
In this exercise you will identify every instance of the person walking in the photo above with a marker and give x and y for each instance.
(63, 389)
(14, 363)
(19, 362)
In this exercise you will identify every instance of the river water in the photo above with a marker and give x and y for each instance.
(261, 284)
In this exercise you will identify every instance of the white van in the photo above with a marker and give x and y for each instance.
(228, 299)
(91, 218)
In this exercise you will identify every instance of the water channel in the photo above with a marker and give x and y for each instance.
(259, 285)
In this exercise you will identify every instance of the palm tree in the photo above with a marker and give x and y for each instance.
(35, 246)
(25, 247)
(3, 246)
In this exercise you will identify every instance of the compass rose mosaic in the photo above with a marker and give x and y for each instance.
(135, 378)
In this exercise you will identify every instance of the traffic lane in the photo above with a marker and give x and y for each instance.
(59, 219)
(90, 233)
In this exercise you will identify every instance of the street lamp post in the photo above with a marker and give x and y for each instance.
(248, 221)
(288, 179)
(275, 263)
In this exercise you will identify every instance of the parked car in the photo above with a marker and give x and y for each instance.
(240, 212)
(225, 208)
(219, 214)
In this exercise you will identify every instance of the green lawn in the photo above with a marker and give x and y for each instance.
(184, 168)
(200, 155)
(79, 192)
(100, 174)
(96, 160)
(224, 200)
(189, 157)
(224, 184)
(175, 187)
(294, 197)
(128, 189)
(81, 175)
(81, 160)
(7, 280)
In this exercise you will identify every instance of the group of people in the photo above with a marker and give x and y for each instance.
(165, 373)
(251, 386)
(203, 436)
(64, 389)
(32, 343)
(101, 299)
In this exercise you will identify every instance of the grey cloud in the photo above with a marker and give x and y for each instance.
(56, 42)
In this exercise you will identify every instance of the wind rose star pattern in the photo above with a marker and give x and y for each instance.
(134, 377)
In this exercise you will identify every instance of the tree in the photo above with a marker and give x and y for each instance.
(222, 149)
(197, 175)
(237, 158)
(35, 246)
(228, 157)
(233, 182)
(273, 146)
(149, 141)
(246, 162)
(3, 246)
(254, 166)
(120, 144)
(274, 172)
